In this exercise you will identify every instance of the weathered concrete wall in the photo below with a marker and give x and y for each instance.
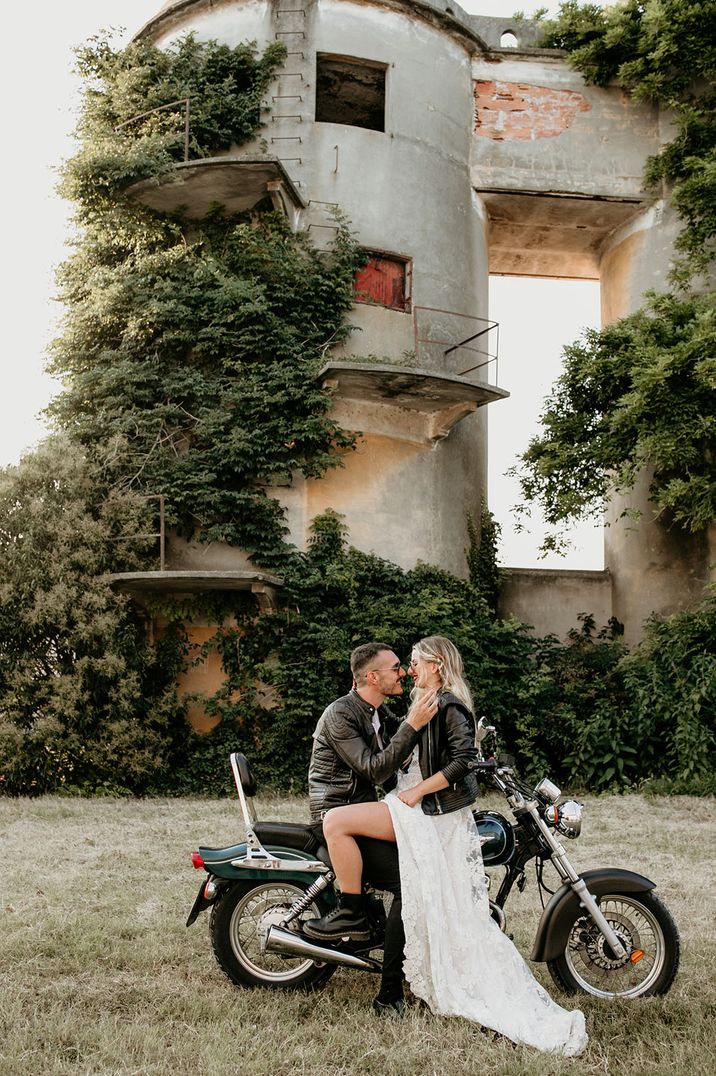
(540, 128)
(407, 190)
(550, 601)
(656, 567)
(486, 152)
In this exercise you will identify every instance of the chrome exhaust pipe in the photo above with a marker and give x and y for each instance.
(285, 941)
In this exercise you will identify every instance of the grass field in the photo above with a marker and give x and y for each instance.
(100, 976)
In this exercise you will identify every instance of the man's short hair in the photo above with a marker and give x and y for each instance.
(363, 655)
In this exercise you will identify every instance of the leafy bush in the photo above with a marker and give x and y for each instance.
(671, 682)
(85, 701)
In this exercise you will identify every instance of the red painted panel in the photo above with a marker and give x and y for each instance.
(382, 281)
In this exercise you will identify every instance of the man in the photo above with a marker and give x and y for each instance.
(358, 744)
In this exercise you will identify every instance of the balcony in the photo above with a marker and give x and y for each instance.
(237, 183)
(404, 402)
(138, 585)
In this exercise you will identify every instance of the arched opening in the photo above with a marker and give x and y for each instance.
(508, 40)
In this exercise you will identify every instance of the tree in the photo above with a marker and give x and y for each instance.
(641, 392)
(85, 701)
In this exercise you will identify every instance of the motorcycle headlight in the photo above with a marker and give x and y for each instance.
(548, 790)
(570, 818)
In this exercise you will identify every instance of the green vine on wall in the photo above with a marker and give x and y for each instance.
(190, 349)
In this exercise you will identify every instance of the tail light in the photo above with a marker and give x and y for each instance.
(197, 862)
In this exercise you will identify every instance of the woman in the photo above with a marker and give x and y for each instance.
(456, 957)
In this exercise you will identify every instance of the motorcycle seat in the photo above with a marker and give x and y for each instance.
(288, 835)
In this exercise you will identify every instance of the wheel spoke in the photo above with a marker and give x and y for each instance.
(594, 966)
(261, 908)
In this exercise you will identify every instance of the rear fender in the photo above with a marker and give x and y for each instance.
(219, 862)
(564, 907)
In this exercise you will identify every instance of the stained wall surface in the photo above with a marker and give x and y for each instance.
(491, 160)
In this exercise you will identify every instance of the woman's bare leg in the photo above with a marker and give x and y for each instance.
(341, 826)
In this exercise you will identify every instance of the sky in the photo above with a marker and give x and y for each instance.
(40, 92)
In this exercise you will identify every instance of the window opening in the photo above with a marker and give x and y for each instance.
(508, 40)
(384, 281)
(350, 91)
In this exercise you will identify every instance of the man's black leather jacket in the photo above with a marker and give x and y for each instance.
(447, 744)
(347, 762)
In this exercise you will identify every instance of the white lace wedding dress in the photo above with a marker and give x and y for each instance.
(456, 957)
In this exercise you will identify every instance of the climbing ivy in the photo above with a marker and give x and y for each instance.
(481, 553)
(132, 121)
(190, 350)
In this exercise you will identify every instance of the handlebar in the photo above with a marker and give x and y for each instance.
(484, 765)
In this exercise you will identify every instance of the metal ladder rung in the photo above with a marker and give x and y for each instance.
(287, 138)
(275, 118)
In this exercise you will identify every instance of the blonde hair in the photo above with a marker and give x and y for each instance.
(451, 671)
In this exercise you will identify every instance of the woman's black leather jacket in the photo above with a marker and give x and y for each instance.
(447, 745)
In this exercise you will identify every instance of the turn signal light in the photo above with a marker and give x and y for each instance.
(551, 815)
(197, 862)
(636, 955)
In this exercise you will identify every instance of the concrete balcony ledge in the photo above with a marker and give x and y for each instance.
(265, 587)
(236, 182)
(437, 401)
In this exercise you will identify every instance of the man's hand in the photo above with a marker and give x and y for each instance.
(421, 711)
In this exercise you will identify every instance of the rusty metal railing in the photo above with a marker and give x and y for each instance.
(490, 357)
(160, 108)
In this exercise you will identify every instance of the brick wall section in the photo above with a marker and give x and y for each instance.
(515, 111)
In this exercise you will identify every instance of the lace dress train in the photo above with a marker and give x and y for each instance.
(456, 957)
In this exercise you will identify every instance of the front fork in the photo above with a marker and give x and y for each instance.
(568, 875)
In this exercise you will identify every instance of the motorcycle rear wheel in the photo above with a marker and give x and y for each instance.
(239, 921)
(647, 930)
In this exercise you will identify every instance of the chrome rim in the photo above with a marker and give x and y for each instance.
(260, 908)
(593, 965)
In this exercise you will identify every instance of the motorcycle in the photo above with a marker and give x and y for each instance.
(603, 932)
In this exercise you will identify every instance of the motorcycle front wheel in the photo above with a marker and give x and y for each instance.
(647, 931)
(239, 922)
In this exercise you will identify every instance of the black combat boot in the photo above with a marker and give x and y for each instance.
(347, 921)
(390, 1000)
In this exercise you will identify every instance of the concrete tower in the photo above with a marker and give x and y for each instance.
(455, 149)
(373, 112)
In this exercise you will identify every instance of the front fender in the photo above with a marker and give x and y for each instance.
(559, 915)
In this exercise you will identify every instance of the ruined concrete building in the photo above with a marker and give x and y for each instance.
(456, 150)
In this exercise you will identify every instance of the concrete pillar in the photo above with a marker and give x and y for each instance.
(655, 566)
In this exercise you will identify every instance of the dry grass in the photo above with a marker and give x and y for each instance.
(99, 975)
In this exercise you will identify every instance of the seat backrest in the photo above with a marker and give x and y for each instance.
(246, 774)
